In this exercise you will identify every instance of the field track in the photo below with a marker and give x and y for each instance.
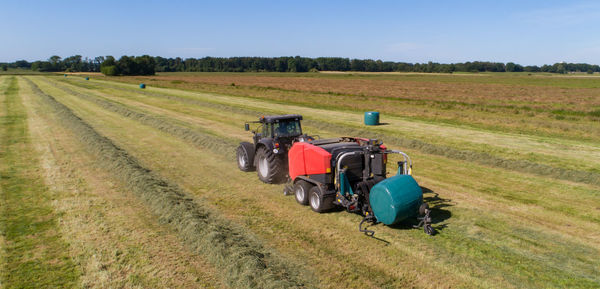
(510, 211)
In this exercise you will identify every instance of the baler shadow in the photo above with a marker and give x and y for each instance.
(437, 205)
(438, 213)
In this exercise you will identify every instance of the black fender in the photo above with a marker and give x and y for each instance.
(307, 179)
(268, 142)
(249, 148)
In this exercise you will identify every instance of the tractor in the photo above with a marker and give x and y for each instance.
(345, 172)
(271, 142)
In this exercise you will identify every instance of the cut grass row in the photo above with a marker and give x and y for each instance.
(483, 238)
(34, 254)
(485, 114)
(114, 239)
(457, 135)
(197, 137)
(568, 205)
(548, 162)
(245, 262)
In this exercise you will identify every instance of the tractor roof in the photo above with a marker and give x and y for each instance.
(275, 118)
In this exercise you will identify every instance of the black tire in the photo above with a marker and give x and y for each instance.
(301, 190)
(269, 166)
(245, 157)
(315, 200)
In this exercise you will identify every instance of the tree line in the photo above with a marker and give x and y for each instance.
(148, 65)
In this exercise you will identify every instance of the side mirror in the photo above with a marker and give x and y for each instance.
(247, 127)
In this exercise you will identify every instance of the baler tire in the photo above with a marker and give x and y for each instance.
(244, 160)
(316, 200)
(274, 172)
(305, 187)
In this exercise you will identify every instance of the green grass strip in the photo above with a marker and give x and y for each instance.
(34, 254)
(244, 261)
(195, 136)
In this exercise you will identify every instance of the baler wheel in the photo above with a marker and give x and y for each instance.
(316, 200)
(301, 190)
(270, 167)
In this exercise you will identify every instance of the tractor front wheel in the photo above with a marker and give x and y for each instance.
(269, 166)
(245, 157)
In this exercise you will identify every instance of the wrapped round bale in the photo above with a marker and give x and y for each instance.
(396, 199)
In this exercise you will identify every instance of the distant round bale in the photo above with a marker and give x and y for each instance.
(371, 118)
(142, 85)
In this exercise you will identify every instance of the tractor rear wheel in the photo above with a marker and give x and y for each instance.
(245, 157)
(301, 189)
(270, 167)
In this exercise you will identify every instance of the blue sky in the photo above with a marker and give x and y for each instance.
(525, 32)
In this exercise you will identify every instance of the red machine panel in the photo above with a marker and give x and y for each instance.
(308, 159)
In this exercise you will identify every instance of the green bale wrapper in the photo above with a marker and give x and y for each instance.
(396, 199)
(372, 118)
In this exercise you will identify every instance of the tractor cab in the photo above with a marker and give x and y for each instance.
(284, 128)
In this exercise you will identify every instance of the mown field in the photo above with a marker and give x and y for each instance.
(107, 185)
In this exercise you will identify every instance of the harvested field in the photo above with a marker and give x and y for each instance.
(515, 197)
(565, 107)
(242, 258)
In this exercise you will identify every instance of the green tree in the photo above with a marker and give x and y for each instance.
(144, 65)
(109, 66)
(292, 65)
(510, 67)
(73, 63)
(109, 70)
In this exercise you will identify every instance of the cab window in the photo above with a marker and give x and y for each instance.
(286, 128)
(267, 130)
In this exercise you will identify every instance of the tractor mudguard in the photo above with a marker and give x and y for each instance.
(268, 142)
